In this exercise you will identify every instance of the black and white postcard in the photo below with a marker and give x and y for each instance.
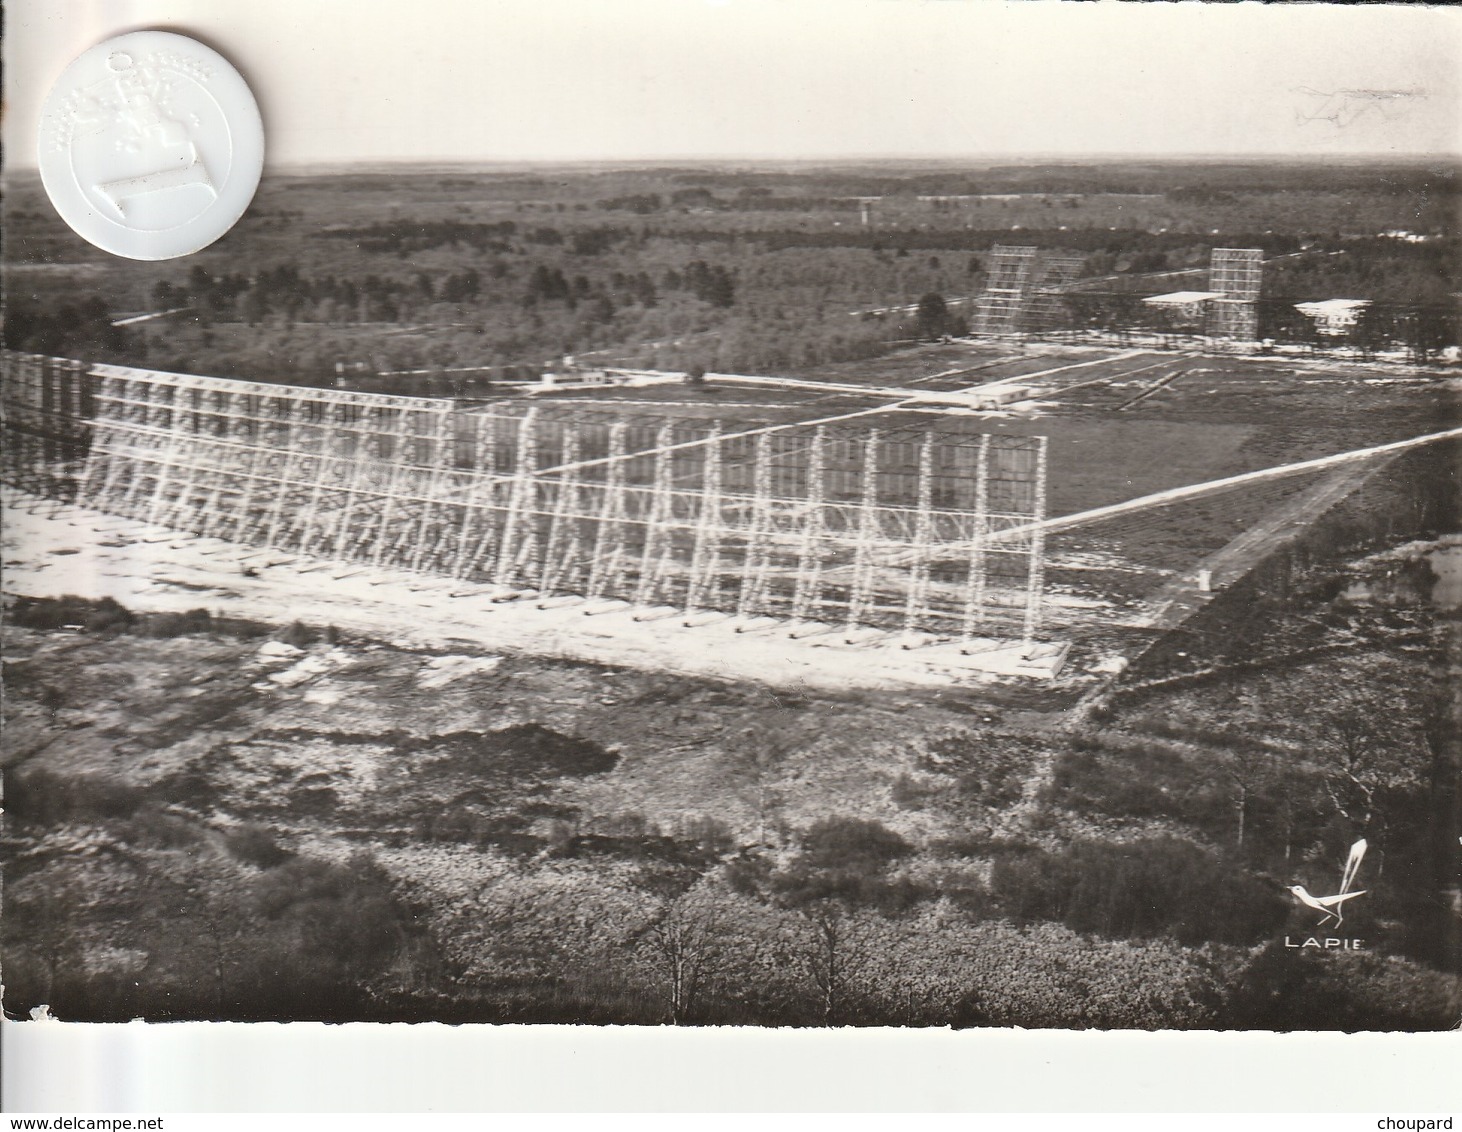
(875, 514)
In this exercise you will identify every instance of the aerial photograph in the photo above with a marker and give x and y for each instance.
(741, 514)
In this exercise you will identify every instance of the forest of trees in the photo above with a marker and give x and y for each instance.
(735, 269)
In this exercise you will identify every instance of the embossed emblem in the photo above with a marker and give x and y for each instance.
(151, 145)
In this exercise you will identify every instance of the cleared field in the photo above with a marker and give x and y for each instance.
(349, 829)
(1122, 424)
(1135, 424)
(1132, 424)
(1202, 417)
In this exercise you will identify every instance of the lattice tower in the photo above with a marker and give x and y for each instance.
(1238, 273)
(908, 528)
(1001, 306)
(1055, 273)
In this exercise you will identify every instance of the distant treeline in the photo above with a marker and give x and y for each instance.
(418, 235)
(284, 290)
(1387, 270)
(1090, 240)
(1373, 267)
(406, 236)
(1119, 177)
(79, 329)
(1150, 177)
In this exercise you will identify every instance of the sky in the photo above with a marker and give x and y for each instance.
(516, 80)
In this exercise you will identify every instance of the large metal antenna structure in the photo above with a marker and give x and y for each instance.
(1000, 308)
(907, 528)
(1023, 289)
(1238, 274)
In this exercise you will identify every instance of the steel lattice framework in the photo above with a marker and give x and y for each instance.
(1001, 305)
(46, 406)
(1023, 289)
(897, 528)
(1238, 273)
(1055, 274)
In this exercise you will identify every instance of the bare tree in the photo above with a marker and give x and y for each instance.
(932, 318)
(761, 749)
(1366, 743)
(45, 914)
(681, 947)
(834, 954)
(1249, 770)
(1362, 753)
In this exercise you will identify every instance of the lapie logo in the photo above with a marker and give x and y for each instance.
(1332, 908)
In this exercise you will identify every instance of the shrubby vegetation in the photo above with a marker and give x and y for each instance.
(81, 329)
(107, 615)
(1139, 883)
(194, 931)
(1138, 889)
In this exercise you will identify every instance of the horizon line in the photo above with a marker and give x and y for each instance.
(976, 160)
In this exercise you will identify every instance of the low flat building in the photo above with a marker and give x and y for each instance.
(1185, 304)
(1333, 316)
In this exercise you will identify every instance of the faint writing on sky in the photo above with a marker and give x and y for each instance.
(1347, 107)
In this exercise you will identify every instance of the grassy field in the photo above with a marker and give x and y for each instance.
(1206, 418)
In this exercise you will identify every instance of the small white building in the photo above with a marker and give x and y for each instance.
(1183, 304)
(1333, 316)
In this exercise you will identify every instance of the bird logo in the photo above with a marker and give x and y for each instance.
(1333, 907)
